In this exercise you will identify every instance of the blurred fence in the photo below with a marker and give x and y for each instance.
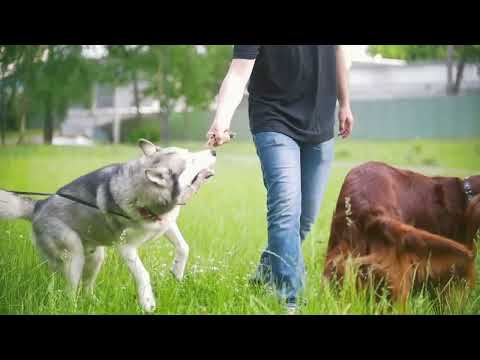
(420, 117)
(399, 118)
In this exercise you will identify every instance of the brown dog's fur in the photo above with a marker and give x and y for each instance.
(404, 228)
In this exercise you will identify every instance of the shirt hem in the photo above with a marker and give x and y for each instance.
(314, 139)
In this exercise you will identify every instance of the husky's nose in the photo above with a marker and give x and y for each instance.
(213, 152)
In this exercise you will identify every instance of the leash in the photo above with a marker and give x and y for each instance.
(69, 197)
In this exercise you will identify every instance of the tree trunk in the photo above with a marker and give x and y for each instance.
(163, 54)
(3, 115)
(450, 51)
(459, 77)
(12, 108)
(116, 119)
(48, 122)
(136, 94)
(164, 112)
(186, 118)
(166, 123)
(23, 119)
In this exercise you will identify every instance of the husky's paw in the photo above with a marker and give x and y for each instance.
(177, 274)
(147, 301)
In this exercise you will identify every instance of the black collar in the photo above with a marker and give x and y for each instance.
(467, 189)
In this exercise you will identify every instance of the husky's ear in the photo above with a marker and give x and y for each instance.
(158, 176)
(147, 147)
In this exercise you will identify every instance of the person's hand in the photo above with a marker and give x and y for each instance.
(218, 135)
(346, 121)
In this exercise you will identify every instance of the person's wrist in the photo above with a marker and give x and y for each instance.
(217, 124)
(345, 104)
(214, 124)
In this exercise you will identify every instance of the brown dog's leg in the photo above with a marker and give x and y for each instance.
(385, 268)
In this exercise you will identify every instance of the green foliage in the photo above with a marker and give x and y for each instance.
(470, 53)
(121, 62)
(410, 52)
(182, 72)
(425, 52)
(134, 130)
(462, 54)
(65, 76)
(173, 72)
(186, 74)
(46, 79)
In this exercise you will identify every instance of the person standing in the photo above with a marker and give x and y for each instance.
(293, 92)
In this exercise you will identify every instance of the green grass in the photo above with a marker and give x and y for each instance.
(225, 226)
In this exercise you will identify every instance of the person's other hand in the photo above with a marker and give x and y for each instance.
(346, 121)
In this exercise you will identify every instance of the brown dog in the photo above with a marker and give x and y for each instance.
(404, 228)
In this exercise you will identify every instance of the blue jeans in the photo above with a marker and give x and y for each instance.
(295, 176)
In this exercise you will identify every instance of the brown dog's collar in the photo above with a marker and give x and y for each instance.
(467, 189)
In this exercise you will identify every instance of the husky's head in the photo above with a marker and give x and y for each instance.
(169, 172)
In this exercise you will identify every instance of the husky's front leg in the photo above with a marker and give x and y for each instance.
(174, 235)
(141, 276)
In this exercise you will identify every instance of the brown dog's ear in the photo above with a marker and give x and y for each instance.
(147, 147)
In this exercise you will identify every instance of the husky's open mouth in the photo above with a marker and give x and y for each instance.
(205, 174)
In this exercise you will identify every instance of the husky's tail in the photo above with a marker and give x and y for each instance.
(14, 207)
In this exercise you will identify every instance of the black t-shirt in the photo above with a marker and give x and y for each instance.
(293, 89)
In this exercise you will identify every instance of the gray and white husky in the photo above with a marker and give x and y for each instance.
(131, 203)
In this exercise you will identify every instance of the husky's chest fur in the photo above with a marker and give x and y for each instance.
(145, 231)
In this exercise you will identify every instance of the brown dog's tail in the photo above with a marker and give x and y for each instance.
(416, 240)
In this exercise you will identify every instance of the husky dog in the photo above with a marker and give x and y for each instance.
(123, 205)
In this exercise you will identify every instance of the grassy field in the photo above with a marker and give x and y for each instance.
(225, 226)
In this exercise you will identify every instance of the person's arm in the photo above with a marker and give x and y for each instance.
(231, 93)
(345, 116)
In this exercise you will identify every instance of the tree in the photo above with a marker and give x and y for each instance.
(465, 54)
(124, 64)
(24, 60)
(9, 55)
(459, 54)
(184, 73)
(64, 76)
(3, 72)
(46, 79)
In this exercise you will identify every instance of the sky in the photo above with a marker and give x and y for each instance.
(357, 52)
